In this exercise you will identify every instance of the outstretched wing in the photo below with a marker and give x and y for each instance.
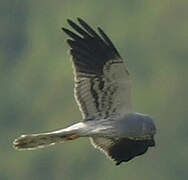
(102, 81)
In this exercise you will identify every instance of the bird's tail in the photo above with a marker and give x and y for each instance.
(36, 141)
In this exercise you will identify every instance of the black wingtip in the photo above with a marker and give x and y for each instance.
(90, 49)
(71, 23)
(71, 34)
(66, 30)
(79, 19)
(82, 22)
(62, 28)
(108, 41)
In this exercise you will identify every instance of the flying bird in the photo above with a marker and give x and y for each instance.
(103, 94)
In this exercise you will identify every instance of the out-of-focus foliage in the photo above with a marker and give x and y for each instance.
(36, 85)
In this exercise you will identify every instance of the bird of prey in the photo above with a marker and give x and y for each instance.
(103, 94)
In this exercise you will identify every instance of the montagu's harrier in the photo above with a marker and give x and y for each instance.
(103, 94)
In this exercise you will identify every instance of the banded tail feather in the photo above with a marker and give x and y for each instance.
(37, 141)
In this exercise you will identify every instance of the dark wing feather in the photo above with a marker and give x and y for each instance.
(122, 150)
(102, 82)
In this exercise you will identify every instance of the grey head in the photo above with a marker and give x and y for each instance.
(136, 126)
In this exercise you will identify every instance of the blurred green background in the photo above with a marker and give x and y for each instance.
(36, 85)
